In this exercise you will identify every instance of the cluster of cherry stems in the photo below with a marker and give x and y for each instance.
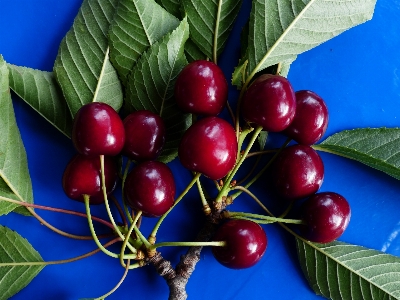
(210, 147)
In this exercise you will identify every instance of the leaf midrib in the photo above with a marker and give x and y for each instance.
(343, 265)
(10, 186)
(258, 66)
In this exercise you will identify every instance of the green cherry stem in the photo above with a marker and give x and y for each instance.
(93, 232)
(120, 211)
(228, 214)
(126, 209)
(189, 244)
(263, 169)
(103, 187)
(59, 262)
(201, 192)
(128, 235)
(225, 189)
(189, 186)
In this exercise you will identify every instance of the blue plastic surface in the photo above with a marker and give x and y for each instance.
(358, 75)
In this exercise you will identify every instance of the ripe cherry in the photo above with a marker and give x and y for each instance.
(326, 216)
(150, 187)
(269, 102)
(246, 243)
(201, 88)
(209, 146)
(144, 135)
(298, 172)
(82, 176)
(98, 130)
(311, 118)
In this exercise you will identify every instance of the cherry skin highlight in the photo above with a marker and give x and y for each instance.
(98, 130)
(246, 243)
(269, 102)
(150, 187)
(82, 176)
(201, 88)
(310, 120)
(144, 135)
(298, 172)
(209, 146)
(326, 216)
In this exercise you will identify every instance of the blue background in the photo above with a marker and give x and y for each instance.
(358, 75)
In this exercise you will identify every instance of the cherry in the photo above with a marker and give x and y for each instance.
(311, 118)
(150, 187)
(298, 172)
(82, 176)
(269, 102)
(246, 243)
(209, 146)
(98, 130)
(326, 216)
(201, 88)
(144, 135)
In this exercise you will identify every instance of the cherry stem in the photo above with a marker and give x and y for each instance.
(186, 190)
(228, 214)
(251, 171)
(228, 106)
(128, 164)
(128, 235)
(259, 153)
(201, 192)
(59, 262)
(103, 187)
(58, 210)
(118, 284)
(189, 244)
(264, 169)
(93, 232)
(60, 232)
(224, 191)
(120, 211)
(243, 189)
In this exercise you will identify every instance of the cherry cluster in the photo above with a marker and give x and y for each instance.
(211, 147)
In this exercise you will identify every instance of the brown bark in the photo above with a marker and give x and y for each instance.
(177, 278)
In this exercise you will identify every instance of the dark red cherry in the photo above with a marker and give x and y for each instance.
(298, 172)
(82, 176)
(144, 135)
(201, 88)
(246, 243)
(326, 216)
(269, 102)
(98, 130)
(310, 120)
(209, 146)
(150, 187)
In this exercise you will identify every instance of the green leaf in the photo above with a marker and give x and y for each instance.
(16, 249)
(281, 29)
(82, 68)
(193, 52)
(40, 90)
(239, 74)
(378, 148)
(137, 25)
(285, 67)
(342, 271)
(15, 182)
(171, 6)
(262, 139)
(210, 23)
(151, 86)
